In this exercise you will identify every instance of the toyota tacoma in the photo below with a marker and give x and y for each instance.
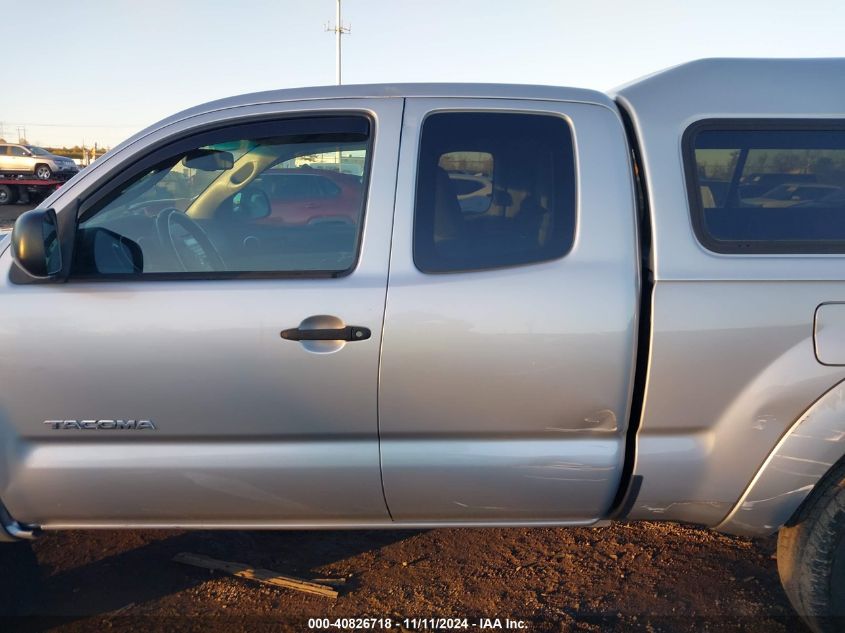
(638, 314)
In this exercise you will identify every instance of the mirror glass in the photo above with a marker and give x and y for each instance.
(52, 247)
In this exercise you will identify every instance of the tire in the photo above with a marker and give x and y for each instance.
(811, 555)
(7, 195)
(43, 172)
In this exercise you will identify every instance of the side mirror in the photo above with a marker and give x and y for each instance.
(35, 243)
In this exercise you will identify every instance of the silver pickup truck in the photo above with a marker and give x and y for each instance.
(448, 305)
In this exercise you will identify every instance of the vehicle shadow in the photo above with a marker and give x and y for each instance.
(64, 577)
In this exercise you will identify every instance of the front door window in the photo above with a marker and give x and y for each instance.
(284, 197)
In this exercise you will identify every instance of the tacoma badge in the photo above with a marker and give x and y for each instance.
(135, 425)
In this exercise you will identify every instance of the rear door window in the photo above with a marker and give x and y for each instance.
(768, 187)
(493, 190)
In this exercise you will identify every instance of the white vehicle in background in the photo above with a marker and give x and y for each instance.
(37, 161)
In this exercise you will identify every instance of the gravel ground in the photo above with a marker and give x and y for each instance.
(628, 577)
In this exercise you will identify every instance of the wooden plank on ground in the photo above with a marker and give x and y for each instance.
(266, 576)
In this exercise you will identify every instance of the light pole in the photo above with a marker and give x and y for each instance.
(339, 31)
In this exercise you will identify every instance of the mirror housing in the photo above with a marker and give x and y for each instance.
(35, 243)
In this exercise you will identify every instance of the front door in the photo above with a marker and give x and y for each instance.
(511, 314)
(203, 366)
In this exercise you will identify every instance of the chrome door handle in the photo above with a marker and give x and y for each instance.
(349, 333)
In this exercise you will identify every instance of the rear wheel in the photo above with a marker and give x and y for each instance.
(811, 556)
(7, 195)
(43, 172)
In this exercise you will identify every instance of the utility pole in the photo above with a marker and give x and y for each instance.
(339, 30)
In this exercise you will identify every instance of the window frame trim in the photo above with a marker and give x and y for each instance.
(165, 149)
(693, 196)
(493, 110)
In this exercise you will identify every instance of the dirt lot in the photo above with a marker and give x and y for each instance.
(629, 577)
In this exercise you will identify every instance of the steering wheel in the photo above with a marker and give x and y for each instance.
(188, 242)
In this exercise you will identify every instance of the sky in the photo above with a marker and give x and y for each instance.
(100, 70)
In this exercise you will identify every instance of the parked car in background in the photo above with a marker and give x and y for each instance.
(834, 200)
(791, 194)
(29, 159)
(756, 184)
(304, 195)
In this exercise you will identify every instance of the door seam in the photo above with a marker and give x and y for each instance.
(384, 312)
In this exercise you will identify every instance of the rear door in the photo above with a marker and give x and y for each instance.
(511, 315)
(191, 387)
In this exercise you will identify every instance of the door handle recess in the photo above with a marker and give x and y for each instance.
(349, 333)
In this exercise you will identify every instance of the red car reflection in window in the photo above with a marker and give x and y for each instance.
(306, 195)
